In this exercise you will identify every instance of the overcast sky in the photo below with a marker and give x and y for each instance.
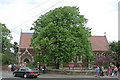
(102, 15)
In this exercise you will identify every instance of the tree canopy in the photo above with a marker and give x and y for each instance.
(115, 47)
(60, 35)
(6, 56)
(15, 47)
(5, 38)
(115, 50)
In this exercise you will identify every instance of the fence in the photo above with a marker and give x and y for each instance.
(4, 67)
(76, 72)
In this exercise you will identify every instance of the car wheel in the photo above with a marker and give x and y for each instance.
(14, 74)
(35, 76)
(25, 76)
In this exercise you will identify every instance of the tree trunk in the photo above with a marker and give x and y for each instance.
(57, 65)
(55, 61)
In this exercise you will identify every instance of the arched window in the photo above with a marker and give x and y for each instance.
(26, 60)
(79, 59)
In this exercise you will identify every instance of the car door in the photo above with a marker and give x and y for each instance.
(17, 73)
(22, 72)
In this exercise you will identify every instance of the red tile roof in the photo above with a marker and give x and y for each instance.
(99, 43)
(25, 40)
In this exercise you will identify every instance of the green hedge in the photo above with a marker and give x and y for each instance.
(8, 58)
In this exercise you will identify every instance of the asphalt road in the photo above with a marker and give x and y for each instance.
(8, 76)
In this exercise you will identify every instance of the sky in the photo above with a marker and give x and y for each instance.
(19, 15)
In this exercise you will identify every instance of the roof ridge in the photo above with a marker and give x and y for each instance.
(26, 33)
(32, 33)
(97, 36)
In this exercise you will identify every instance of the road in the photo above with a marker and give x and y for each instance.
(8, 76)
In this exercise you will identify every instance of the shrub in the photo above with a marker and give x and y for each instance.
(104, 61)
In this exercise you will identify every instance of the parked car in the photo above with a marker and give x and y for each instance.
(26, 72)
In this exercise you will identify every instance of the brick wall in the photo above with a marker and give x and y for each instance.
(5, 67)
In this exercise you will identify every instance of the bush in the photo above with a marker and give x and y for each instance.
(32, 65)
(8, 58)
(104, 61)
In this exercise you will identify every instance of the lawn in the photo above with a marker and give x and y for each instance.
(79, 69)
(70, 68)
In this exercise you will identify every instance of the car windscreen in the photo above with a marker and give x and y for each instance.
(30, 69)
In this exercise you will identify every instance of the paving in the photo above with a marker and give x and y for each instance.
(8, 76)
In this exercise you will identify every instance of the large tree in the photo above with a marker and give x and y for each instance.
(115, 51)
(5, 45)
(5, 38)
(60, 35)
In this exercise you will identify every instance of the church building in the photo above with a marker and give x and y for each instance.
(26, 53)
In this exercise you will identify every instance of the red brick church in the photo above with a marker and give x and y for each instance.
(26, 53)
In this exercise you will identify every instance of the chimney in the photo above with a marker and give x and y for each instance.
(104, 33)
(21, 30)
